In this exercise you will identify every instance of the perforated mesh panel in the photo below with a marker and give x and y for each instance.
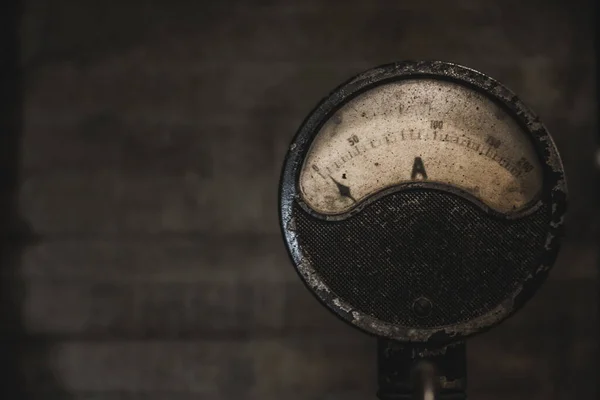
(423, 243)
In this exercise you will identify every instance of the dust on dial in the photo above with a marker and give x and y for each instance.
(420, 130)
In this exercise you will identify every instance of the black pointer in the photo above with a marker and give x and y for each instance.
(344, 190)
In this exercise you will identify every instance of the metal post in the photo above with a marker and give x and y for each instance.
(406, 371)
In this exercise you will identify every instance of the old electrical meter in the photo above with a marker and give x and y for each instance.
(422, 202)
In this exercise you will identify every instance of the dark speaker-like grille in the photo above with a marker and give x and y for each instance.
(423, 243)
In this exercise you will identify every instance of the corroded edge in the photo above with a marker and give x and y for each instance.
(554, 192)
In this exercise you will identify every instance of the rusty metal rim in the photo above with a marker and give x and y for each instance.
(554, 192)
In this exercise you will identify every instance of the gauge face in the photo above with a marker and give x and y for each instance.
(420, 130)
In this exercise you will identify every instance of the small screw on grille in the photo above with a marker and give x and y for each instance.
(422, 307)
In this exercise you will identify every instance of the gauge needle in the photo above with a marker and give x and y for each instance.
(344, 190)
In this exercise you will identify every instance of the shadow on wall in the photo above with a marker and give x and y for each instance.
(23, 358)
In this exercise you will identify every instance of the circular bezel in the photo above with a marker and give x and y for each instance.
(554, 192)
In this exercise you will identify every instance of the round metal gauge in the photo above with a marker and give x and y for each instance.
(422, 201)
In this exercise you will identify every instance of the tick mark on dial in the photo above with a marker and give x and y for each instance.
(344, 190)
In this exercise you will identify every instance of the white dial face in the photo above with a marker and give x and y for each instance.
(420, 130)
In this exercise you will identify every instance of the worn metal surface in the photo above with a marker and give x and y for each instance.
(552, 194)
(420, 129)
(403, 370)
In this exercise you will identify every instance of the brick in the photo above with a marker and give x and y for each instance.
(302, 367)
(175, 259)
(235, 32)
(119, 203)
(539, 353)
(240, 145)
(577, 259)
(210, 369)
(180, 259)
(208, 308)
(531, 366)
(188, 94)
(180, 395)
(211, 305)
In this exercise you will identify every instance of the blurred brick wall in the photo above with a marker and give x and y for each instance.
(152, 135)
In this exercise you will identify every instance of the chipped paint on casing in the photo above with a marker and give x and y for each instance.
(554, 193)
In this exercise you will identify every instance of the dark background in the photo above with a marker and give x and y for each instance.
(141, 144)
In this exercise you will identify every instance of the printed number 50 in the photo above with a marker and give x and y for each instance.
(353, 140)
